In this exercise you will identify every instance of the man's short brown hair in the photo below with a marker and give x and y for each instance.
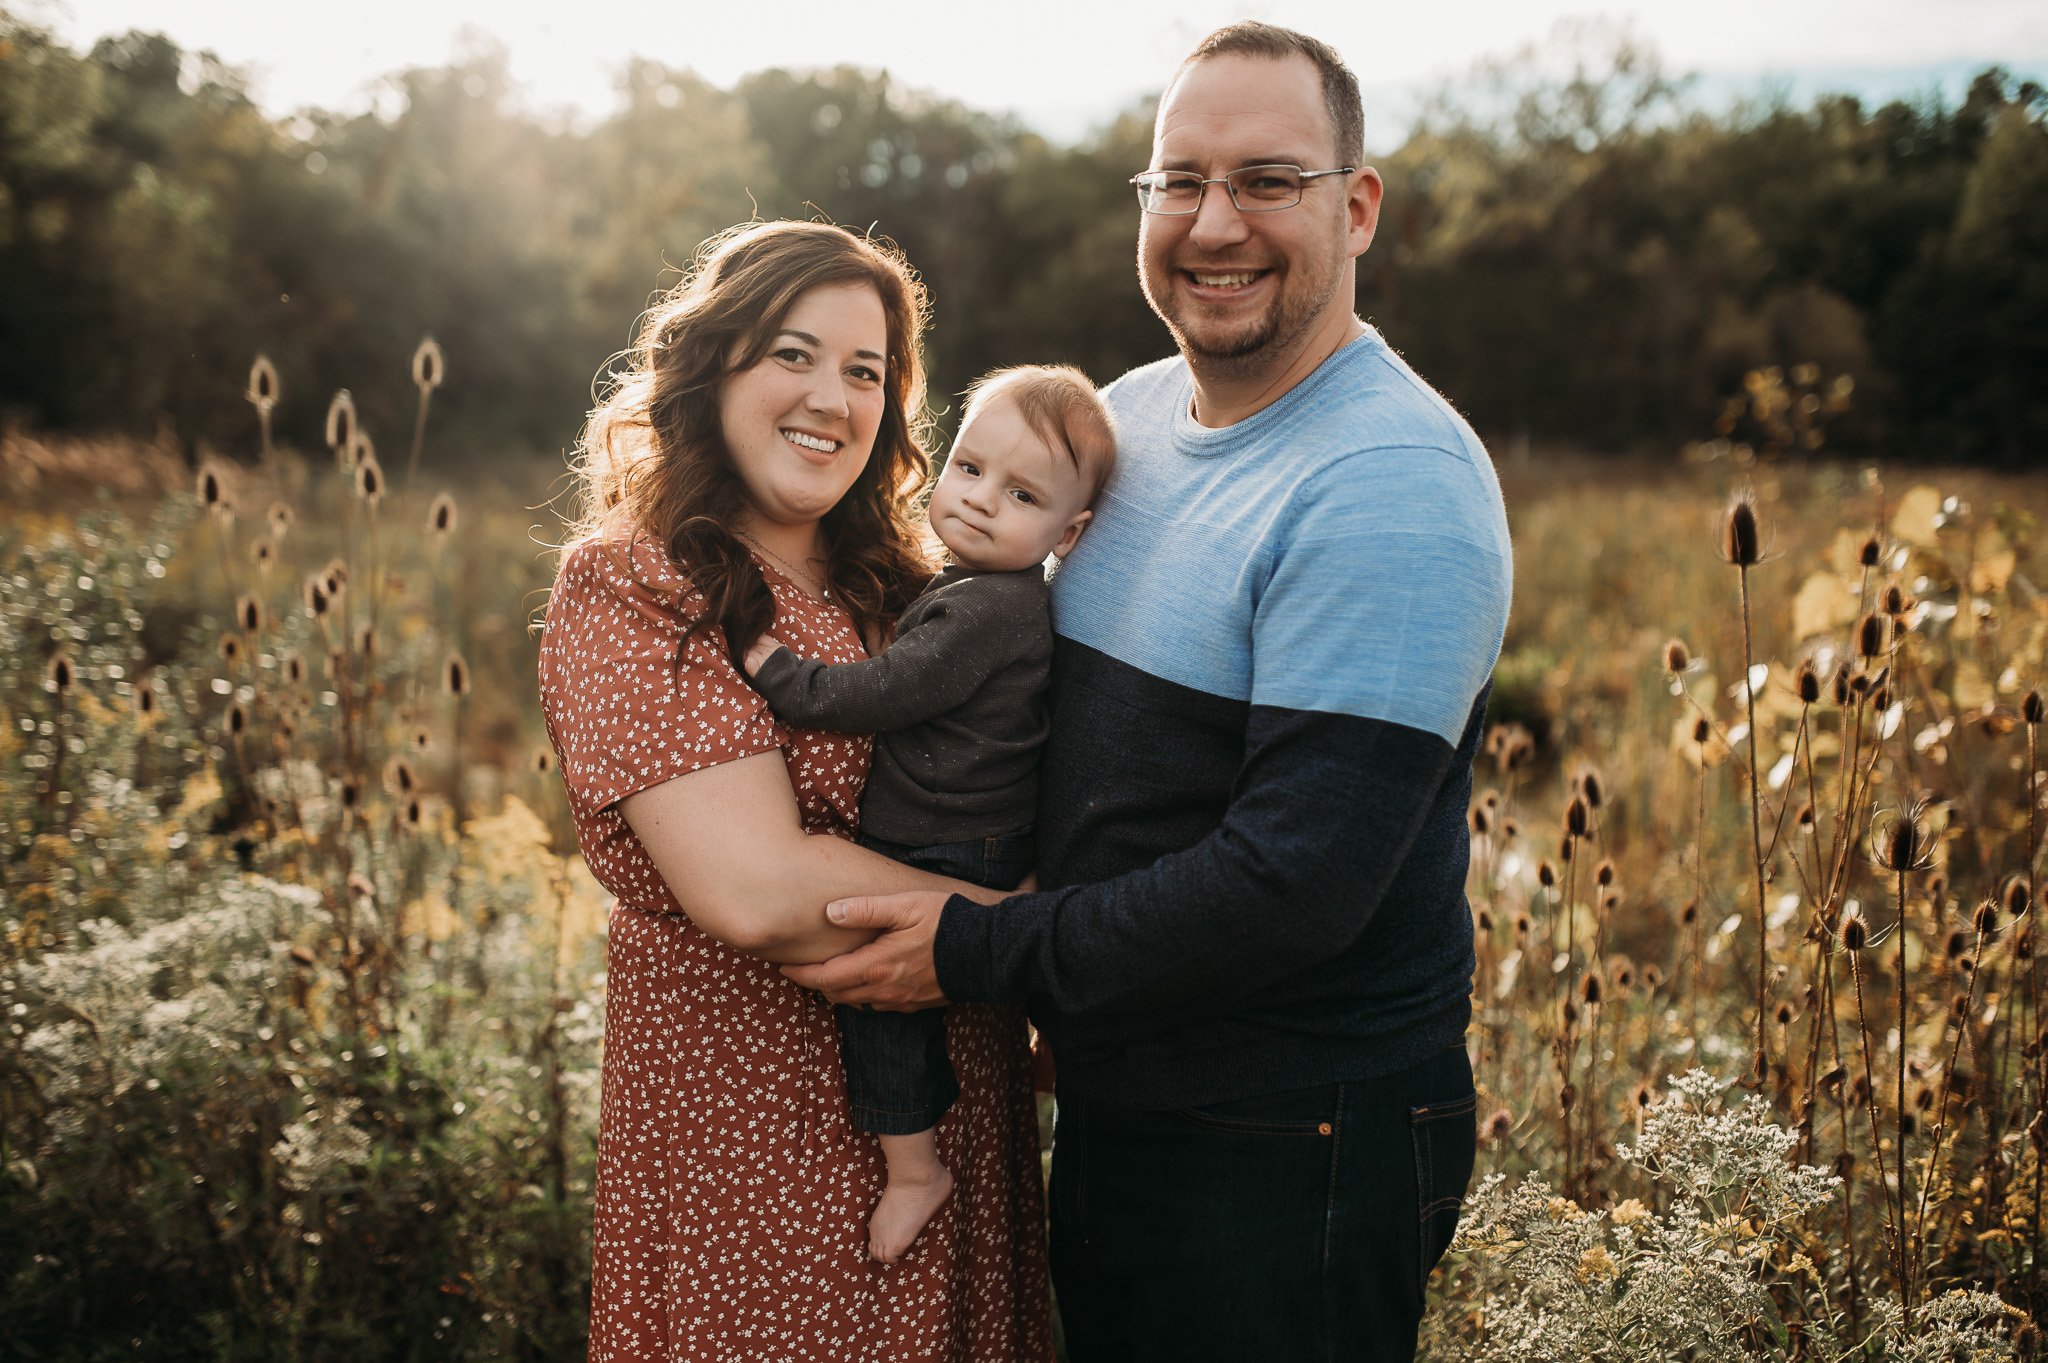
(1060, 403)
(1340, 88)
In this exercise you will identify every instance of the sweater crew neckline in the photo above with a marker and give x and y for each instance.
(1191, 437)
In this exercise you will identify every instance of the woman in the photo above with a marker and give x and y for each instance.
(753, 471)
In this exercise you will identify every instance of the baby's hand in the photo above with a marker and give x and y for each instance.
(758, 654)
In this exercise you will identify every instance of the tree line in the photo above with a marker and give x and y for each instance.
(1586, 259)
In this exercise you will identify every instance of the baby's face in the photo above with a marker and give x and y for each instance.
(1007, 497)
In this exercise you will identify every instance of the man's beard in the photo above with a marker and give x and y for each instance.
(1256, 344)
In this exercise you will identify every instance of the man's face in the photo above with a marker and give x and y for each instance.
(1238, 290)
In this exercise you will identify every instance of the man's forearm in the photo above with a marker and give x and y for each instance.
(1316, 832)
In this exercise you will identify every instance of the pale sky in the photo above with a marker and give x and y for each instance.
(1062, 65)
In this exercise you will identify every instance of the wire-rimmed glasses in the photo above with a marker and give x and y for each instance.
(1253, 189)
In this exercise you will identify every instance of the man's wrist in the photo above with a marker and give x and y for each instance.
(961, 950)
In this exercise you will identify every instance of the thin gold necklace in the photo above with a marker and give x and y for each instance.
(802, 579)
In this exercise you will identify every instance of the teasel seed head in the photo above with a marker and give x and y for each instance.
(1481, 819)
(1603, 874)
(1689, 912)
(1805, 815)
(1483, 922)
(1871, 552)
(265, 554)
(341, 424)
(414, 813)
(1578, 818)
(314, 595)
(455, 676)
(1610, 901)
(1873, 632)
(422, 739)
(2018, 896)
(351, 792)
(1740, 544)
(1644, 1097)
(369, 474)
(1498, 1125)
(1702, 730)
(366, 640)
(1590, 787)
(145, 701)
(428, 369)
(238, 719)
(1677, 657)
(1855, 932)
(294, 669)
(1806, 681)
(1958, 942)
(1881, 698)
(230, 647)
(1623, 972)
(1590, 989)
(1784, 1014)
(2032, 708)
(1567, 848)
(279, 518)
(398, 777)
(1985, 919)
(1899, 844)
(1839, 686)
(1546, 874)
(1896, 602)
(441, 516)
(262, 393)
(1653, 977)
(1524, 925)
(249, 614)
(1509, 830)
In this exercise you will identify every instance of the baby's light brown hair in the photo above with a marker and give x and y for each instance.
(1061, 405)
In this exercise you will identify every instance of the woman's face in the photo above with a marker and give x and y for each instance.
(801, 422)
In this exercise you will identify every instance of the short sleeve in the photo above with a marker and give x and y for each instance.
(624, 715)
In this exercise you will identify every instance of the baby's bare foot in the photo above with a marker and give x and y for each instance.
(908, 1203)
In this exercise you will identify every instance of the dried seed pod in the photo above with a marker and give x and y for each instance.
(2032, 707)
(2018, 896)
(262, 390)
(1590, 787)
(1603, 874)
(427, 367)
(341, 423)
(61, 673)
(1677, 657)
(1806, 681)
(1898, 843)
(398, 777)
(1546, 875)
(1854, 931)
(1702, 730)
(1578, 818)
(1873, 634)
(1481, 819)
(1689, 912)
(1740, 542)
(455, 676)
(1985, 920)
(249, 614)
(1895, 601)
(1871, 552)
(441, 516)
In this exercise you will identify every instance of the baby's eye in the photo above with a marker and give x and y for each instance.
(1021, 495)
(967, 468)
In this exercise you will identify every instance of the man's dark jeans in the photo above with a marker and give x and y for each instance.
(898, 1079)
(1291, 1226)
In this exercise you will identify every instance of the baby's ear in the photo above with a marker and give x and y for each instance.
(1072, 533)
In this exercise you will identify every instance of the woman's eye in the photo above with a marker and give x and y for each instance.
(791, 355)
(865, 374)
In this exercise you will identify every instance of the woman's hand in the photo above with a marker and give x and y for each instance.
(758, 654)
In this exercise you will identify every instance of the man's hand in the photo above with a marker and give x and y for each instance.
(893, 973)
(758, 654)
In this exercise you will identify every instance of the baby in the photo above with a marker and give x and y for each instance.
(957, 707)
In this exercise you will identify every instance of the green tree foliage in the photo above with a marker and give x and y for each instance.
(1570, 246)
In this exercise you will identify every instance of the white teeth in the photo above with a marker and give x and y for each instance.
(810, 442)
(1224, 281)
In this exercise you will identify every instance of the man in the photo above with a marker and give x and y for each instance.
(1252, 954)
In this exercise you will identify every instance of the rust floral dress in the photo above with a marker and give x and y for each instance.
(732, 1190)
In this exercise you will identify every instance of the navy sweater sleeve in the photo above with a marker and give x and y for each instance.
(1323, 815)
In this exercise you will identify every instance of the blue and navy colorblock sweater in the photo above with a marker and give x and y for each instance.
(1272, 656)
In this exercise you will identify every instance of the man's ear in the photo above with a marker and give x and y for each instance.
(1363, 209)
(1072, 533)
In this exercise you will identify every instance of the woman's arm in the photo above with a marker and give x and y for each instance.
(730, 844)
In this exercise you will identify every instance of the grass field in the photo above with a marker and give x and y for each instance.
(303, 978)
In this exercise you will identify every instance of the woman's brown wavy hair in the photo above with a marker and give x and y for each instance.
(653, 462)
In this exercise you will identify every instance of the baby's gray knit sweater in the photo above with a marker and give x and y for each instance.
(956, 704)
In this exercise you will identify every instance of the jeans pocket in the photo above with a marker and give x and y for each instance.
(1309, 1112)
(1446, 1140)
